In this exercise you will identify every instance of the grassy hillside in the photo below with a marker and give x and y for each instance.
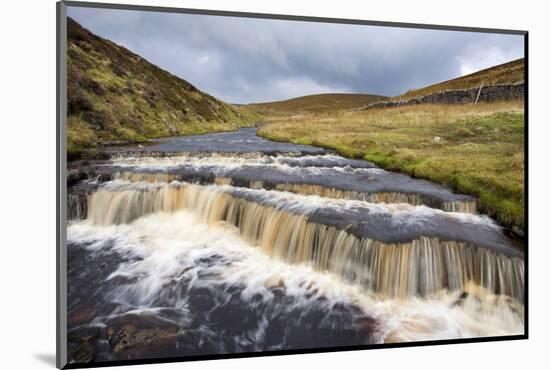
(316, 104)
(507, 73)
(479, 151)
(115, 95)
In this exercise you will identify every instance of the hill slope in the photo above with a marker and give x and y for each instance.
(507, 73)
(316, 103)
(115, 95)
(475, 149)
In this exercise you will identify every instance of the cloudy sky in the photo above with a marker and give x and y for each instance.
(242, 60)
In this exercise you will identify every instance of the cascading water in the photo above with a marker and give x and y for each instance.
(198, 253)
(281, 226)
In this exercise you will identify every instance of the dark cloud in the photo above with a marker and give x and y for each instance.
(244, 60)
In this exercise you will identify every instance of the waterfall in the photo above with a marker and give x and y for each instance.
(418, 267)
(462, 205)
(77, 205)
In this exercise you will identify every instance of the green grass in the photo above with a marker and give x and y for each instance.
(480, 151)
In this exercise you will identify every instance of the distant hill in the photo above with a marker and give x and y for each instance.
(507, 73)
(115, 95)
(316, 103)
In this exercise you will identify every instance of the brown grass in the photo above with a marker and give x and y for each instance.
(316, 104)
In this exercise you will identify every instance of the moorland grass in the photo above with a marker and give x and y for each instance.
(319, 103)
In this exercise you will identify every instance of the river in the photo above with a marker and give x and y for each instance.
(228, 242)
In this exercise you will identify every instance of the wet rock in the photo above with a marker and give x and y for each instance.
(74, 176)
(518, 231)
(366, 326)
(86, 353)
(133, 334)
(80, 317)
(88, 170)
(202, 299)
(83, 342)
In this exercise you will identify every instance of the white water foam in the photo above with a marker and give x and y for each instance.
(221, 163)
(168, 244)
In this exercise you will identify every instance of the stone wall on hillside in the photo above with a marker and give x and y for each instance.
(489, 93)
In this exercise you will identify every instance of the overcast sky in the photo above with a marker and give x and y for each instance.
(242, 60)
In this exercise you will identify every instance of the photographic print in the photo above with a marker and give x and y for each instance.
(242, 184)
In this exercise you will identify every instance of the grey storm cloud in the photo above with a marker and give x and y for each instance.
(244, 60)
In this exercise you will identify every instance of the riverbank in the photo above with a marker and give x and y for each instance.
(474, 149)
(93, 148)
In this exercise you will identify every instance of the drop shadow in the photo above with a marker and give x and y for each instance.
(46, 358)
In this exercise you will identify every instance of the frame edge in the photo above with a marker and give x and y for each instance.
(288, 17)
(61, 188)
